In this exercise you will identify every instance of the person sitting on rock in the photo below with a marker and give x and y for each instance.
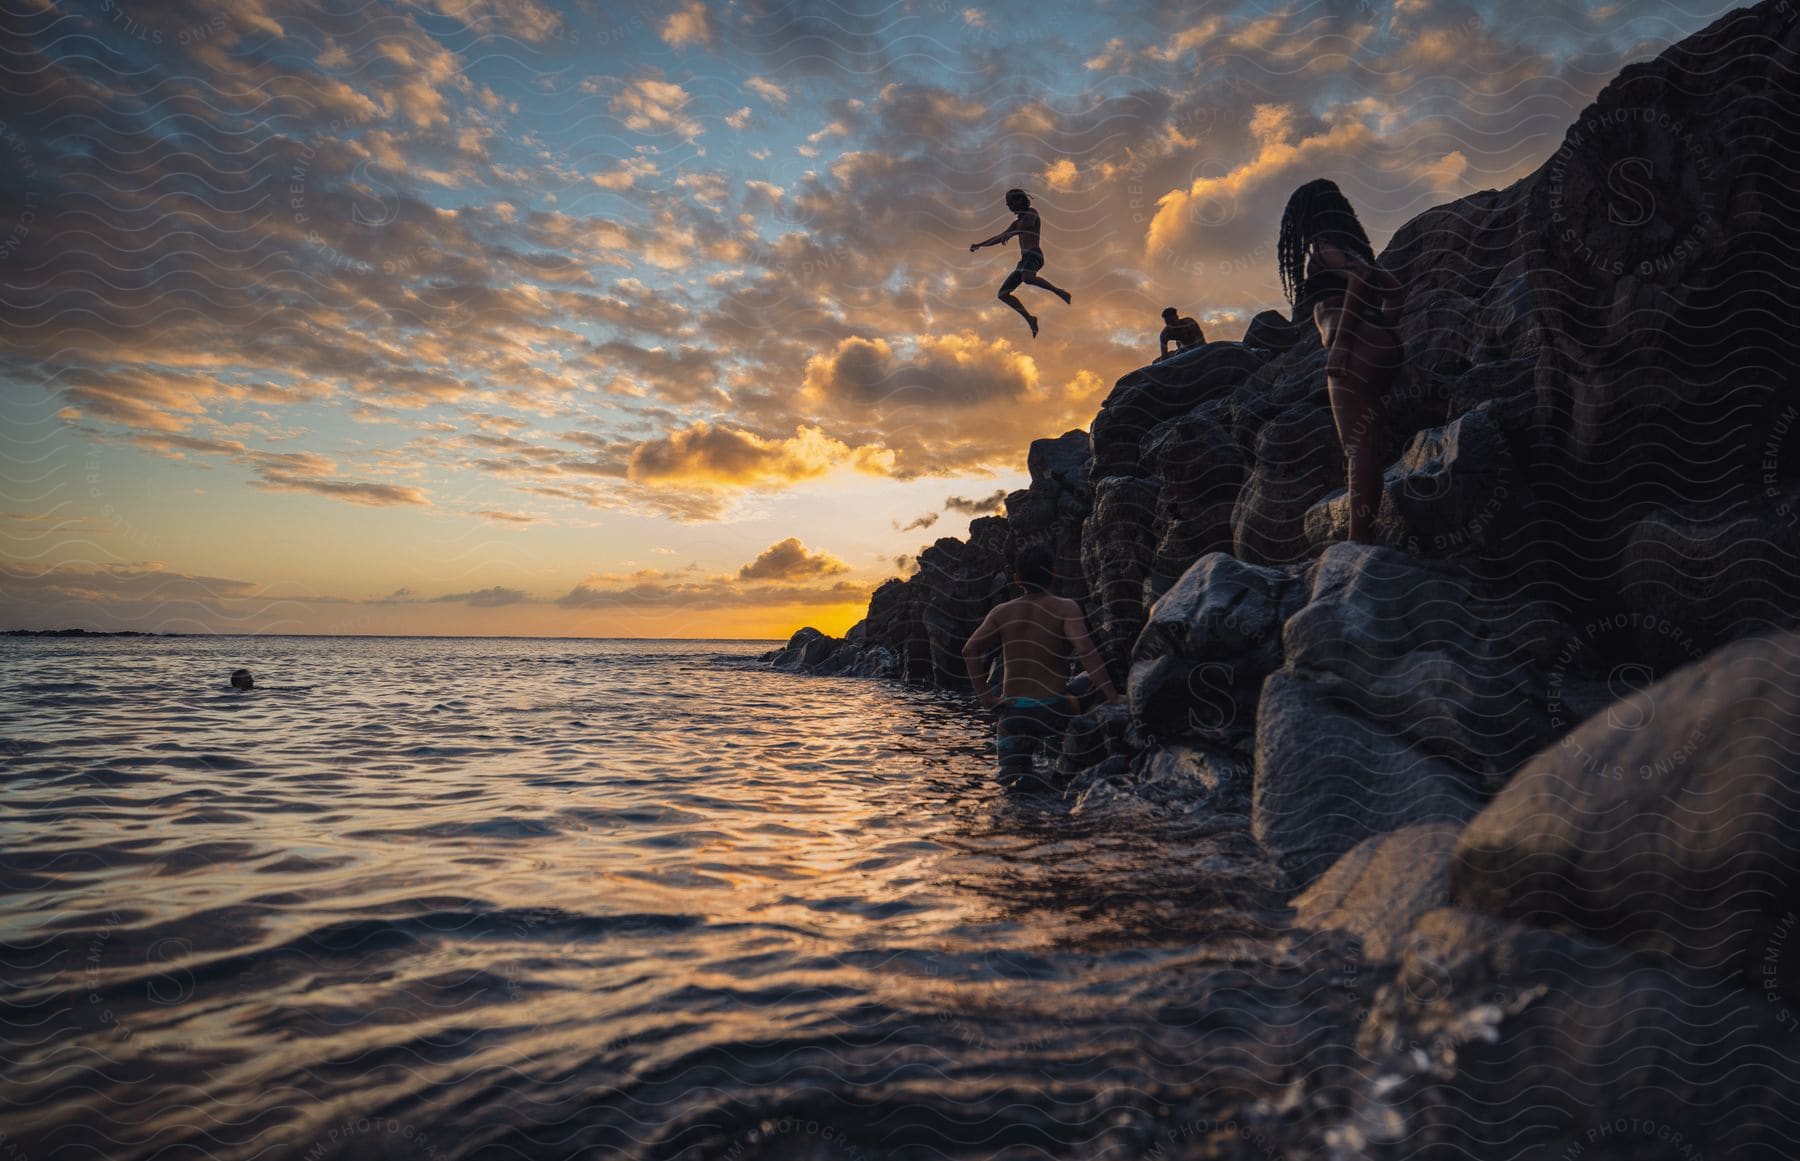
(1036, 633)
(1326, 260)
(1031, 255)
(1183, 332)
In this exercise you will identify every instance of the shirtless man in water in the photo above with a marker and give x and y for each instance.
(1031, 255)
(1036, 634)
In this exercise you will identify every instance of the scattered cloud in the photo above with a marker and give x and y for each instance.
(495, 597)
(791, 560)
(687, 25)
(352, 491)
(768, 90)
(980, 506)
(653, 588)
(655, 106)
(709, 456)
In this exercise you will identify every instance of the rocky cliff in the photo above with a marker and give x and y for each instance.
(1593, 485)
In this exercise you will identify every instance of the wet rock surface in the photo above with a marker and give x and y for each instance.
(1668, 822)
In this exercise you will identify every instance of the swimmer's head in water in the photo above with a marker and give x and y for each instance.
(1017, 199)
(1170, 314)
(1318, 208)
(241, 679)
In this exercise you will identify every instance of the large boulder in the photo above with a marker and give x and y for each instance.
(1272, 331)
(1200, 469)
(803, 650)
(1063, 461)
(1667, 297)
(1149, 395)
(1714, 575)
(896, 622)
(1298, 460)
(1117, 550)
(1092, 738)
(1050, 511)
(1416, 647)
(1453, 493)
(1436, 331)
(1499, 1040)
(1671, 822)
(1382, 887)
(1294, 377)
(1405, 696)
(1328, 777)
(1200, 661)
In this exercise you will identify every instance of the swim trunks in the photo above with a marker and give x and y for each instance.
(1025, 725)
(1030, 262)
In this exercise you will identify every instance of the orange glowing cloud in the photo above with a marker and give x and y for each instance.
(1181, 213)
(709, 456)
(791, 560)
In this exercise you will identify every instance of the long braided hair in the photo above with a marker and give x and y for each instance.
(1317, 209)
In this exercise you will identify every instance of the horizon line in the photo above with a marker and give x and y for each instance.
(379, 636)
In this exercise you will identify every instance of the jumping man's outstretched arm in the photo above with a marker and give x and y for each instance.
(975, 649)
(1002, 236)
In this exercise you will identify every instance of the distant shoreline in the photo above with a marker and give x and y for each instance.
(78, 633)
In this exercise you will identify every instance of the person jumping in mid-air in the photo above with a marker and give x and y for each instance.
(1031, 256)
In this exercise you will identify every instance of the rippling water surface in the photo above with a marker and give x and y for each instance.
(521, 898)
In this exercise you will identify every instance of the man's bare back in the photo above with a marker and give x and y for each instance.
(1037, 634)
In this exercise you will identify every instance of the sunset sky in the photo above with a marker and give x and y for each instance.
(594, 319)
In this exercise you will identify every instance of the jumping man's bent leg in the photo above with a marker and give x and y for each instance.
(1006, 295)
(1044, 284)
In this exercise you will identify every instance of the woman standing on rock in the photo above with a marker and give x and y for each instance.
(1326, 259)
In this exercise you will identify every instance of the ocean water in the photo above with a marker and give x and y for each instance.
(524, 898)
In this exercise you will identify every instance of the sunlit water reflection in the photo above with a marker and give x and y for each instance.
(502, 898)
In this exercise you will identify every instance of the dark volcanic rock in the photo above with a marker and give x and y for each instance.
(1452, 494)
(1161, 391)
(964, 579)
(1174, 780)
(1201, 470)
(1116, 556)
(805, 650)
(1199, 665)
(1671, 822)
(1697, 577)
(1326, 778)
(1382, 887)
(896, 622)
(1417, 648)
(1500, 1040)
(1273, 331)
(1405, 696)
(1092, 738)
(1298, 460)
